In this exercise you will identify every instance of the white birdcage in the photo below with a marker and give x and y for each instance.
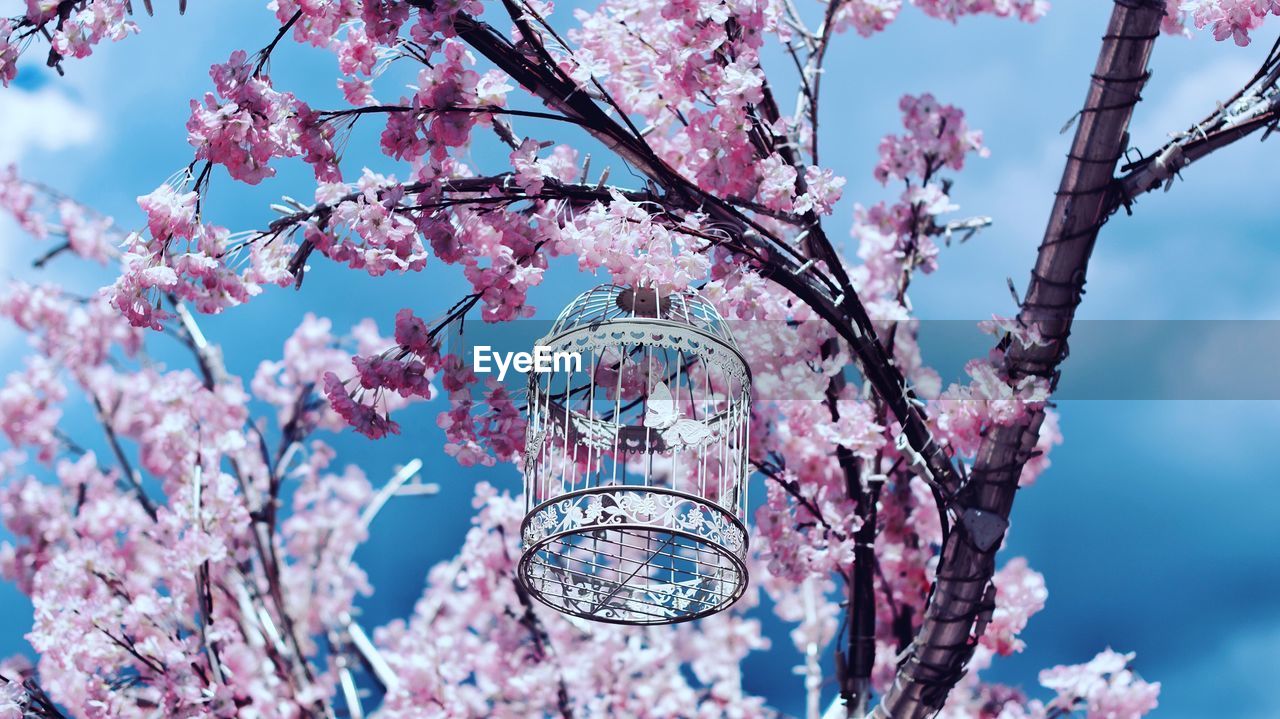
(636, 461)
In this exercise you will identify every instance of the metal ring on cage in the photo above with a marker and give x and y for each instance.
(616, 562)
(636, 461)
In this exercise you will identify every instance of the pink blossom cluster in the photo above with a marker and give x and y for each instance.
(459, 422)
(318, 22)
(43, 217)
(498, 252)
(796, 544)
(111, 558)
(531, 171)
(87, 236)
(1104, 687)
(14, 697)
(868, 17)
(30, 407)
(173, 417)
(476, 432)
(380, 21)
(18, 199)
(622, 238)
(76, 333)
(71, 29)
(1020, 593)
(691, 80)
(516, 661)
(249, 123)
(896, 239)
(822, 541)
(94, 22)
(937, 136)
(390, 220)
(1025, 10)
(292, 383)
(966, 413)
(116, 594)
(9, 52)
(182, 257)
(366, 228)
(504, 264)
(324, 528)
(1226, 18)
(805, 528)
(777, 189)
(502, 424)
(404, 371)
(855, 430)
(434, 126)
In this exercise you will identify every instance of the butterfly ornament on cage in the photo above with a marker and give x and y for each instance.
(676, 430)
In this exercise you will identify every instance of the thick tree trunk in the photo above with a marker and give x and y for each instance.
(962, 592)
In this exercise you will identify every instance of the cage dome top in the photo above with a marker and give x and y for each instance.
(608, 303)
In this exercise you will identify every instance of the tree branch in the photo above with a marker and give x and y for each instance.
(1253, 107)
(833, 299)
(937, 658)
(131, 476)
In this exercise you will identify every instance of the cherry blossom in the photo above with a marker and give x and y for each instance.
(29, 407)
(292, 384)
(8, 53)
(1025, 10)
(201, 562)
(1103, 687)
(1227, 18)
(46, 216)
(248, 123)
(1020, 593)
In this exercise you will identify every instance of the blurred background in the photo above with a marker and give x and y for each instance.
(1156, 527)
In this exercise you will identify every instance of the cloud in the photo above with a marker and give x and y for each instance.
(45, 119)
(1017, 192)
(1178, 256)
(1194, 94)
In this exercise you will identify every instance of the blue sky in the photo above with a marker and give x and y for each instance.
(1155, 527)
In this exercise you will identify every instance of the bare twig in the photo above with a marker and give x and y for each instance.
(204, 593)
(131, 476)
(1254, 107)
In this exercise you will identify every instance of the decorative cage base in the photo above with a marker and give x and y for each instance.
(633, 555)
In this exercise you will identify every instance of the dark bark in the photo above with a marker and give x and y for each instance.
(963, 590)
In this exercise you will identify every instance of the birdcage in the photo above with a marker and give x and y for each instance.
(636, 460)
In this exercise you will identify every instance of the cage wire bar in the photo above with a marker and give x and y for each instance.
(636, 461)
